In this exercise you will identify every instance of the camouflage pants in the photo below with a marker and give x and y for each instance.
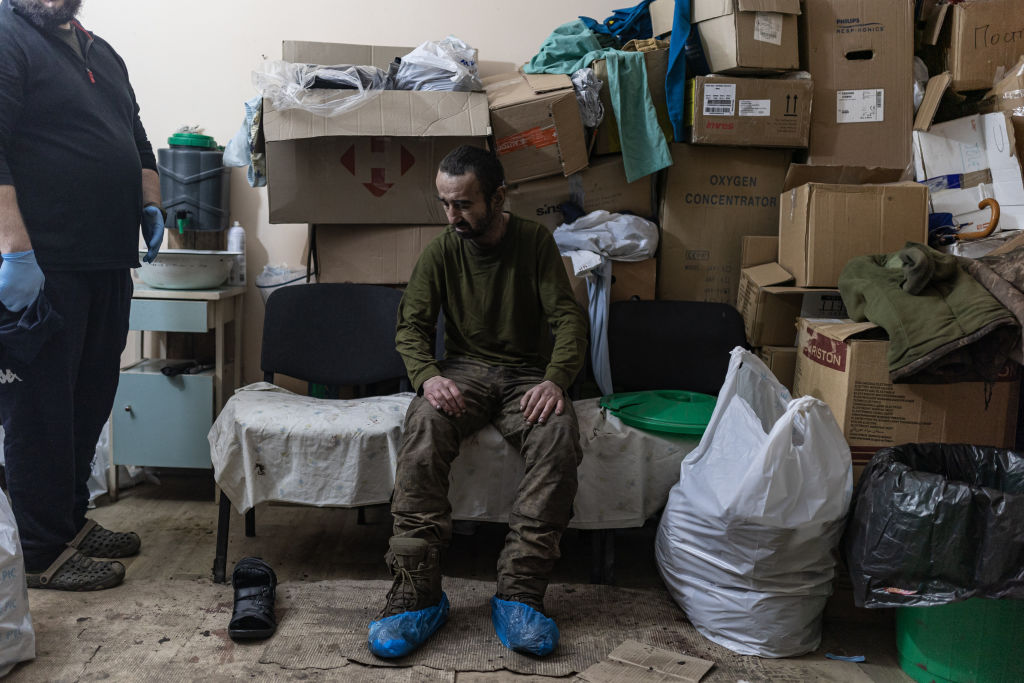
(543, 501)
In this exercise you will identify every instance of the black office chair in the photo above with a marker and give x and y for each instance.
(672, 344)
(665, 345)
(333, 335)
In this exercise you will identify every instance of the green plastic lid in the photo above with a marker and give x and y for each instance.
(672, 411)
(192, 140)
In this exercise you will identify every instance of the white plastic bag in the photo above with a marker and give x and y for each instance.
(448, 65)
(17, 639)
(746, 542)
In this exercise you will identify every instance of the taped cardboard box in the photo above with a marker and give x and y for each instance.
(970, 159)
(375, 163)
(770, 307)
(629, 279)
(980, 39)
(781, 360)
(844, 364)
(748, 36)
(371, 254)
(711, 198)
(602, 185)
(822, 226)
(537, 126)
(860, 56)
(750, 112)
(606, 136)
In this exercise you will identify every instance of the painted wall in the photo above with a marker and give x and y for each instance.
(191, 62)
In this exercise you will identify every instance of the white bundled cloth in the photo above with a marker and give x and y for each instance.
(746, 542)
(592, 242)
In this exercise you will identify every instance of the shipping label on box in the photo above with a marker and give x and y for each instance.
(982, 39)
(371, 254)
(748, 36)
(770, 309)
(844, 364)
(602, 185)
(982, 147)
(537, 132)
(712, 197)
(823, 226)
(753, 112)
(860, 56)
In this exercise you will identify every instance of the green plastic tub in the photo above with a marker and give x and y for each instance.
(975, 641)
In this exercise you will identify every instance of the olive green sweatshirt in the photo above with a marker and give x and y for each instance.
(501, 305)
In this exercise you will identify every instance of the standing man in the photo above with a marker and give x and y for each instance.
(77, 177)
(515, 340)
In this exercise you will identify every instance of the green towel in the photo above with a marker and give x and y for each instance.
(573, 46)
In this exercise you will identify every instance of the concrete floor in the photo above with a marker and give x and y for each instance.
(177, 521)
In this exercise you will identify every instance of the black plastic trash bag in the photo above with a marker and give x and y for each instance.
(937, 523)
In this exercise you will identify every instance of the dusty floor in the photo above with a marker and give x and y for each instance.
(168, 622)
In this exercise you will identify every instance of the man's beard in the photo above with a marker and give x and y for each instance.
(47, 18)
(478, 228)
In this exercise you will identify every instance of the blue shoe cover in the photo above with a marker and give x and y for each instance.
(400, 634)
(522, 628)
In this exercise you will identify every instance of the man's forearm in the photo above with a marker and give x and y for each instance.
(150, 187)
(13, 234)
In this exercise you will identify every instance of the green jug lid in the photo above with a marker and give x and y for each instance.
(663, 410)
(192, 140)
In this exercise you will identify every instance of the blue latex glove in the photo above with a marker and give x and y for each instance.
(152, 231)
(21, 280)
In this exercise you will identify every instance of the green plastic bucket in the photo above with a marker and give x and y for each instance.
(672, 411)
(975, 641)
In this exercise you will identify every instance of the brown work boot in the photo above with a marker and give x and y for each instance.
(414, 564)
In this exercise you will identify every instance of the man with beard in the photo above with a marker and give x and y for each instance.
(77, 178)
(515, 340)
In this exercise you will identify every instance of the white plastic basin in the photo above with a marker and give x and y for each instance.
(187, 268)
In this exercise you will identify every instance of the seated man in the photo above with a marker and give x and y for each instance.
(515, 340)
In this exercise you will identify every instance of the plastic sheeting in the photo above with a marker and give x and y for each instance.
(937, 523)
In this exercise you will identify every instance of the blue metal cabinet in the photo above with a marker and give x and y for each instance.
(162, 421)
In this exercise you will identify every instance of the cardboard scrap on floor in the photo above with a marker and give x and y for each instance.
(634, 662)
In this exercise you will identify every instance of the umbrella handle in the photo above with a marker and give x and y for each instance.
(987, 228)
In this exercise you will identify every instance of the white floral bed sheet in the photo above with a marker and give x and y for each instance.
(269, 444)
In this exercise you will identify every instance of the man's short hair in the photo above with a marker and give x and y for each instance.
(478, 161)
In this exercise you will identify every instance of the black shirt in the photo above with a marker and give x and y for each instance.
(72, 144)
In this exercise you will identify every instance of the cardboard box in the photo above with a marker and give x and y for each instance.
(980, 39)
(712, 197)
(860, 55)
(629, 279)
(371, 254)
(758, 249)
(749, 112)
(823, 226)
(980, 153)
(1008, 96)
(781, 360)
(748, 36)
(770, 307)
(606, 136)
(375, 163)
(537, 126)
(844, 364)
(602, 185)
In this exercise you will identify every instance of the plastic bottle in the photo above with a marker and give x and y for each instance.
(236, 242)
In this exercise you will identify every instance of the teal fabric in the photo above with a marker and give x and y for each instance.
(573, 46)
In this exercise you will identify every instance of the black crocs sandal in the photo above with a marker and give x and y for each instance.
(73, 571)
(95, 541)
(253, 615)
